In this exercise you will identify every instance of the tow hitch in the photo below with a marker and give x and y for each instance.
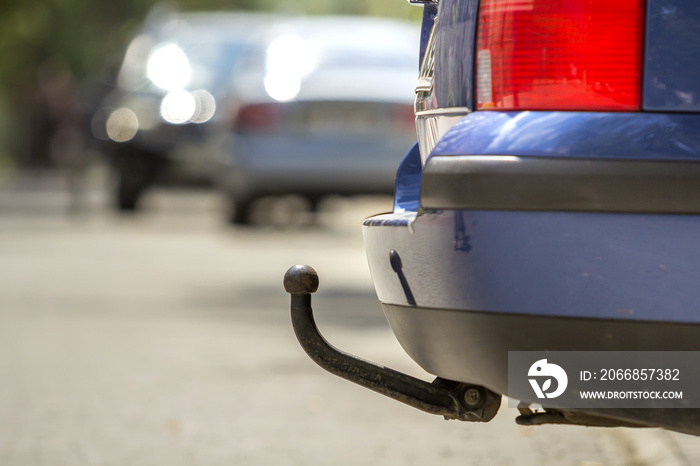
(453, 400)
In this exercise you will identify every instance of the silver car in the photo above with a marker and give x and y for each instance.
(324, 107)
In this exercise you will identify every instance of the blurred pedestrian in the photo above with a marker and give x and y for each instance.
(67, 123)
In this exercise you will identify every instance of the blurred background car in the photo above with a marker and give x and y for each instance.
(161, 122)
(324, 108)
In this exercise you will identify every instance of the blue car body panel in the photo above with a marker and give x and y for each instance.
(607, 266)
(408, 182)
(597, 265)
(454, 38)
(429, 13)
(575, 134)
(672, 56)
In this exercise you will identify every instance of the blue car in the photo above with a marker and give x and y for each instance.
(551, 202)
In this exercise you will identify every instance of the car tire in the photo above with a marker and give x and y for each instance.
(240, 211)
(130, 186)
(127, 197)
(135, 173)
(314, 203)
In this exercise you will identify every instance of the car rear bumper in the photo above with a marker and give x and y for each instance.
(461, 289)
(271, 164)
(473, 347)
(640, 267)
(561, 184)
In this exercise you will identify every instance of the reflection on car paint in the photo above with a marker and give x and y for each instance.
(462, 239)
(671, 70)
(455, 29)
(575, 134)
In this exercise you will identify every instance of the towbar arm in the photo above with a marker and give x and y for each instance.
(453, 400)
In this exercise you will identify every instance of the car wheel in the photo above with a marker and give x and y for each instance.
(127, 197)
(240, 211)
(314, 203)
(135, 172)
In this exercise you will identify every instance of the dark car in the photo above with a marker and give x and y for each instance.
(551, 205)
(164, 120)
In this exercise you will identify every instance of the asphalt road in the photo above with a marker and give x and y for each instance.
(165, 339)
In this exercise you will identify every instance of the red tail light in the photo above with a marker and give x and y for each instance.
(258, 117)
(559, 54)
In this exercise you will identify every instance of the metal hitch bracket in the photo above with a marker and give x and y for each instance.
(453, 400)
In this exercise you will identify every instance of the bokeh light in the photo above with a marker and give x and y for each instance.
(169, 68)
(205, 106)
(178, 106)
(122, 125)
(289, 59)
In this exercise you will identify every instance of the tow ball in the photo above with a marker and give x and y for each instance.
(453, 400)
